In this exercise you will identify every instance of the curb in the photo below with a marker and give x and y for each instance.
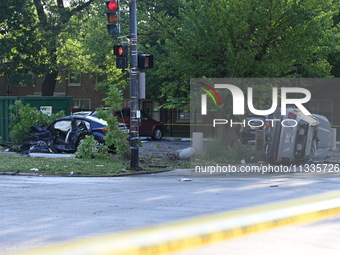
(17, 173)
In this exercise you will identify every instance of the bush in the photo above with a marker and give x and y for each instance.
(114, 135)
(24, 116)
(90, 148)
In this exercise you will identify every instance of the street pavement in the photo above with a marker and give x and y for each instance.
(36, 211)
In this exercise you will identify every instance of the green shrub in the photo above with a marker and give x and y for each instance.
(23, 117)
(90, 148)
(114, 135)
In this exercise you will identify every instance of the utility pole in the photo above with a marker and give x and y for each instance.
(134, 74)
(121, 52)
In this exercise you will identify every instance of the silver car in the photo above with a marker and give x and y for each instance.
(296, 137)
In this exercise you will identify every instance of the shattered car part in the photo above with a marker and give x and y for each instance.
(64, 134)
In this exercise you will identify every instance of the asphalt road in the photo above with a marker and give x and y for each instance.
(36, 211)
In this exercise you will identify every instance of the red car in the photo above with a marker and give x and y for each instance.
(149, 127)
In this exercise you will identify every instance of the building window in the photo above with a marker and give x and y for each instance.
(81, 104)
(183, 114)
(26, 79)
(74, 79)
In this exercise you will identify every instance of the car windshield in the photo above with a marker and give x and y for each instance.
(101, 121)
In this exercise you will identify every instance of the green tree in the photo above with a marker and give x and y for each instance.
(30, 33)
(241, 38)
(90, 49)
(159, 23)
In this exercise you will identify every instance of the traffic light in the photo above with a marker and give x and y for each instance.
(121, 52)
(145, 61)
(113, 26)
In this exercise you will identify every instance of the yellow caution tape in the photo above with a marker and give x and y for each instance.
(187, 234)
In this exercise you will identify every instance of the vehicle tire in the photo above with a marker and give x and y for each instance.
(157, 134)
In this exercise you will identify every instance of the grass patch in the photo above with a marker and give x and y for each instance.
(217, 153)
(65, 166)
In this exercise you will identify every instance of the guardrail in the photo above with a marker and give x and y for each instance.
(187, 234)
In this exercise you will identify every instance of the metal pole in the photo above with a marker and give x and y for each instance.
(134, 104)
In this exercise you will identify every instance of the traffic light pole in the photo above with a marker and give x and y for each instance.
(134, 104)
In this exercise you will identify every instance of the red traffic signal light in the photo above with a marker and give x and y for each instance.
(113, 26)
(120, 50)
(112, 5)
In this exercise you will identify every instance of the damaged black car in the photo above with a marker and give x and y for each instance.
(64, 134)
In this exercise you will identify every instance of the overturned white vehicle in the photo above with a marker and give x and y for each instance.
(301, 138)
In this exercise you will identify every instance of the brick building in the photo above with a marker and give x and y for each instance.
(87, 98)
(80, 87)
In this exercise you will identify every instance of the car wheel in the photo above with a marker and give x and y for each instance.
(157, 134)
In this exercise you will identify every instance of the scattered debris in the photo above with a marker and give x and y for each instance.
(172, 155)
(49, 155)
(185, 180)
(187, 153)
(145, 159)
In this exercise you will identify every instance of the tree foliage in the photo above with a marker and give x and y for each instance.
(189, 39)
(241, 38)
(30, 33)
(114, 135)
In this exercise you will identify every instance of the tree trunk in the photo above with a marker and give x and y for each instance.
(48, 86)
